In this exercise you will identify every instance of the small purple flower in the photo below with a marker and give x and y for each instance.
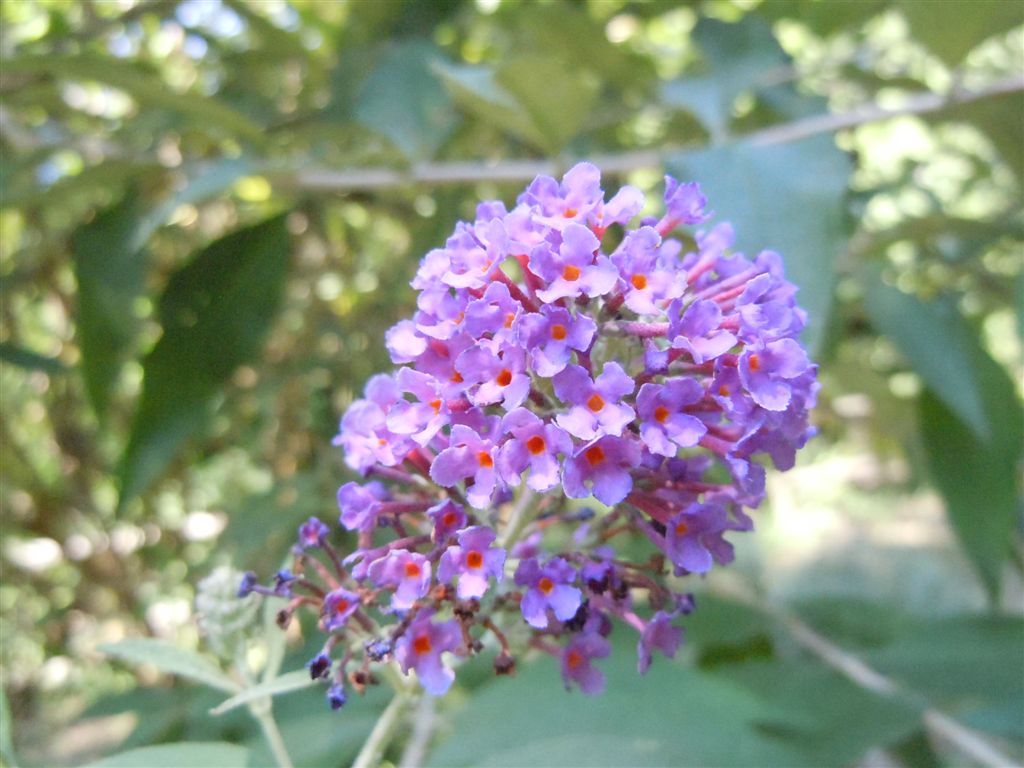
(697, 329)
(338, 605)
(690, 536)
(423, 419)
(684, 204)
(248, 584)
(420, 648)
(364, 435)
(664, 427)
(473, 560)
(606, 465)
(533, 444)
(658, 634)
(468, 456)
(646, 281)
(573, 269)
(766, 371)
(552, 334)
(549, 587)
(407, 572)
(494, 313)
(576, 662)
(360, 504)
(282, 583)
(596, 409)
(448, 517)
(312, 533)
(499, 376)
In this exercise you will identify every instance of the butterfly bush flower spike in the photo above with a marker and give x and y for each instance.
(573, 380)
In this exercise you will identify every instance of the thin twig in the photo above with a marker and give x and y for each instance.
(434, 174)
(422, 731)
(383, 731)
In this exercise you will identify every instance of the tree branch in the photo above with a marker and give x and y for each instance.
(464, 172)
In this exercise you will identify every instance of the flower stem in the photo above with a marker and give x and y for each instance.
(274, 739)
(521, 517)
(384, 730)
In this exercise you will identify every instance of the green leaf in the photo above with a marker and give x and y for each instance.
(671, 716)
(978, 483)
(824, 715)
(109, 267)
(142, 85)
(557, 98)
(958, 658)
(169, 658)
(404, 100)
(737, 56)
(6, 733)
(215, 754)
(215, 312)
(998, 117)
(788, 198)
(292, 681)
(30, 361)
(947, 354)
(952, 28)
(476, 90)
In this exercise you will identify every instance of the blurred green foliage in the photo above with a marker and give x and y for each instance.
(210, 213)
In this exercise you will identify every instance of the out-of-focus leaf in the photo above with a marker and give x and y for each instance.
(823, 17)
(557, 99)
(6, 732)
(29, 360)
(727, 632)
(952, 28)
(143, 86)
(292, 681)
(737, 56)
(404, 100)
(672, 716)
(215, 312)
(109, 267)
(1004, 718)
(999, 118)
(570, 33)
(853, 623)
(208, 755)
(978, 482)
(936, 340)
(787, 198)
(825, 716)
(273, 636)
(169, 658)
(476, 90)
(972, 658)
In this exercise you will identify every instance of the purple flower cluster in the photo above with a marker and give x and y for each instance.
(556, 350)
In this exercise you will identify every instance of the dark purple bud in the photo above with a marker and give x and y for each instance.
(319, 666)
(336, 697)
(577, 622)
(377, 650)
(282, 580)
(248, 584)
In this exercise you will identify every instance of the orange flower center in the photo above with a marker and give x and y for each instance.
(504, 378)
(558, 332)
(341, 606)
(436, 405)
(484, 459)
(660, 414)
(595, 402)
(755, 362)
(412, 570)
(681, 528)
(449, 518)
(639, 282)
(570, 212)
(509, 318)
(723, 391)
(422, 644)
(594, 455)
(573, 659)
(571, 273)
(474, 559)
(545, 585)
(536, 445)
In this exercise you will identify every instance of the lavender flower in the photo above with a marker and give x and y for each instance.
(653, 376)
